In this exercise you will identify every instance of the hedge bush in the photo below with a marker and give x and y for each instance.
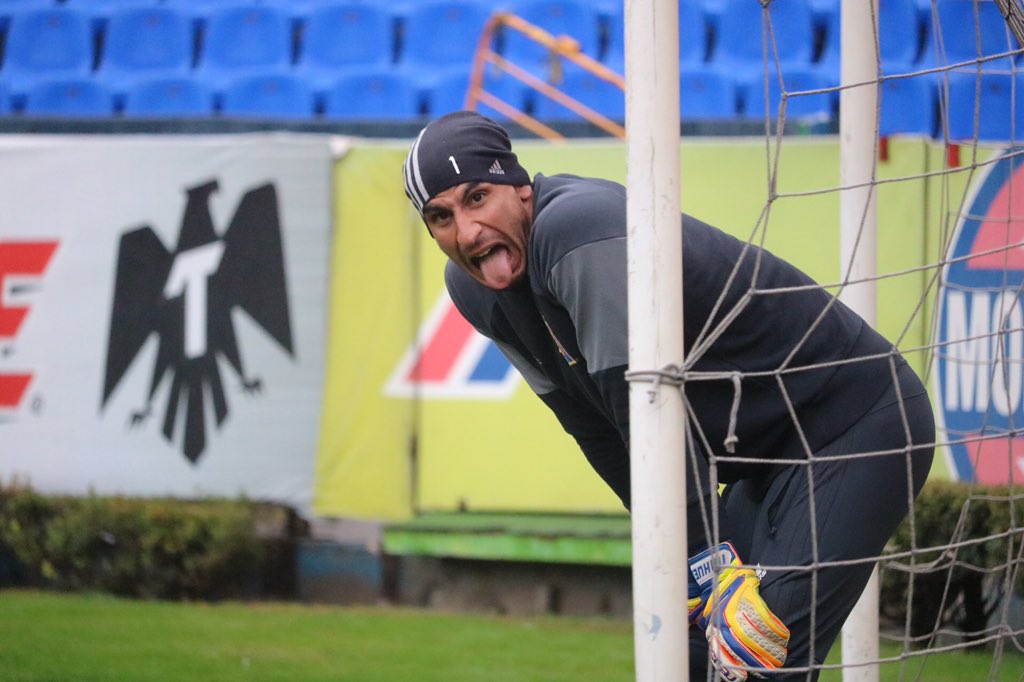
(213, 549)
(159, 548)
(968, 541)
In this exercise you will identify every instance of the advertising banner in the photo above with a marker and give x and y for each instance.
(979, 368)
(162, 313)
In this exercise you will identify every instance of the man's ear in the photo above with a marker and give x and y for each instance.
(525, 193)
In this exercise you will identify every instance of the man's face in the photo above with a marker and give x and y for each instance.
(483, 228)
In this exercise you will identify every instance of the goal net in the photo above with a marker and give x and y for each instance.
(945, 75)
(953, 578)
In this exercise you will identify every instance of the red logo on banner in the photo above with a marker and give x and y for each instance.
(20, 262)
(451, 360)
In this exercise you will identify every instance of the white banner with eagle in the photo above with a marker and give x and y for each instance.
(163, 304)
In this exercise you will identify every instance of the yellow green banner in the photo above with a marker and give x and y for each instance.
(421, 414)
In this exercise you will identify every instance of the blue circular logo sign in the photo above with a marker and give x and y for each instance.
(980, 351)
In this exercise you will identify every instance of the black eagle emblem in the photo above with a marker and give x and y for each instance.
(186, 298)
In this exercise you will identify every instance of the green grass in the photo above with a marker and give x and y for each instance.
(55, 637)
(952, 666)
(81, 638)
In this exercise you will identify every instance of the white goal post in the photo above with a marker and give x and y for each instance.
(654, 247)
(858, 225)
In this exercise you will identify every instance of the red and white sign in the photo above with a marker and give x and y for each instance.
(22, 264)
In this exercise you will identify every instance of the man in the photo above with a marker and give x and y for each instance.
(795, 380)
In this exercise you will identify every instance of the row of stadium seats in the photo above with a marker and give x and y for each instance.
(145, 39)
(822, 11)
(908, 105)
(373, 59)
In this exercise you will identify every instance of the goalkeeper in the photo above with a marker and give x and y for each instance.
(539, 266)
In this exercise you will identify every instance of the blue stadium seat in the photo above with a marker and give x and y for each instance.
(99, 11)
(693, 36)
(898, 39)
(440, 37)
(244, 40)
(449, 94)
(901, 31)
(202, 10)
(144, 43)
(814, 106)
(739, 49)
(109, 6)
(169, 97)
(907, 106)
(44, 45)
(9, 8)
(606, 8)
(588, 89)
(300, 10)
(706, 94)
(344, 36)
(386, 95)
(72, 98)
(999, 92)
(5, 101)
(276, 96)
(822, 11)
(713, 11)
(958, 37)
(574, 18)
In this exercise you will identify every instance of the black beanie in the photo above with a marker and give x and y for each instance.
(459, 147)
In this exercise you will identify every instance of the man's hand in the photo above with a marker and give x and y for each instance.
(702, 573)
(740, 628)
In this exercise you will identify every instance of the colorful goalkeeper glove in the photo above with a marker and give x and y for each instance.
(702, 573)
(741, 630)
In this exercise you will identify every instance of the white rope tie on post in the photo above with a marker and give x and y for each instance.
(672, 375)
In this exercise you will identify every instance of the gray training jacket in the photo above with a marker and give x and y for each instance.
(565, 329)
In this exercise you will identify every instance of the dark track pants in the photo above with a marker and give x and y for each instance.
(858, 503)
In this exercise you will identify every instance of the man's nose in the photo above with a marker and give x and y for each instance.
(467, 230)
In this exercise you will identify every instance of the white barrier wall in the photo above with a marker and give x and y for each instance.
(162, 313)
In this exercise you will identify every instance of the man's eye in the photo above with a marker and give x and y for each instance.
(476, 197)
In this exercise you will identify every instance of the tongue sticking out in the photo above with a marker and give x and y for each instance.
(497, 267)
